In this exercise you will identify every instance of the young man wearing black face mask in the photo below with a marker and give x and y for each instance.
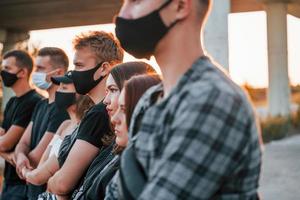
(95, 54)
(198, 137)
(16, 69)
(46, 117)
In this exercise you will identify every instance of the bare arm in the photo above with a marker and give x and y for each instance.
(11, 138)
(2, 131)
(68, 176)
(59, 133)
(41, 175)
(9, 157)
(36, 154)
(22, 150)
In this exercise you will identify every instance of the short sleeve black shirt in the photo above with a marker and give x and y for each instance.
(18, 112)
(46, 118)
(94, 125)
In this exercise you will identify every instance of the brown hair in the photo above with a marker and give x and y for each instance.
(58, 57)
(83, 104)
(106, 47)
(23, 59)
(134, 89)
(125, 71)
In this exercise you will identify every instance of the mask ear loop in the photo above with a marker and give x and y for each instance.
(164, 5)
(98, 66)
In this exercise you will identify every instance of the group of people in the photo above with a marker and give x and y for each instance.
(118, 130)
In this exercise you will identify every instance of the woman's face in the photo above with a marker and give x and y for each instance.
(119, 122)
(66, 88)
(112, 95)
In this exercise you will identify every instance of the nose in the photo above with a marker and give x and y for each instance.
(106, 100)
(125, 12)
(115, 119)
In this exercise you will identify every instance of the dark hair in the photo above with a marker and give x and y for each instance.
(23, 59)
(125, 71)
(58, 57)
(134, 89)
(83, 104)
(105, 46)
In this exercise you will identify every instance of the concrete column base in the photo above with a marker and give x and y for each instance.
(216, 32)
(279, 87)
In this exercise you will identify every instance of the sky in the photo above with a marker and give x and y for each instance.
(248, 61)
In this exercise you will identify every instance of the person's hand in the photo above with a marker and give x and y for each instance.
(2, 131)
(49, 184)
(25, 172)
(11, 158)
(22, 161)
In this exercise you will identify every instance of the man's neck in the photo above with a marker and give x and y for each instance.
(97, 94)
(175, 56)
(21, 88)
(51, 91)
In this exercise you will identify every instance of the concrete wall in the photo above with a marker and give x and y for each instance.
(216, 32)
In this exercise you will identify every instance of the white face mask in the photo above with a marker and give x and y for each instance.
(39, 80)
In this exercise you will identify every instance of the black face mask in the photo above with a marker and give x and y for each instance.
(9, 79)
(84, 80)
(139, 37)
(64, 100)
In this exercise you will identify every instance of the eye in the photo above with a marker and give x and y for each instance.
(114, 90)
(123, 109)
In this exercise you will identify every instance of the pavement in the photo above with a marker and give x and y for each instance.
(280, 179)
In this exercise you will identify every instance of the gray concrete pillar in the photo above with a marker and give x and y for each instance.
(10, 39)
(216, 32)
(279, 87)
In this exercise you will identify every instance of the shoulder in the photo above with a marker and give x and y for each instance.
(210, 79)
(41, 103)
(35, 96)
(96, 110)
(32, 98)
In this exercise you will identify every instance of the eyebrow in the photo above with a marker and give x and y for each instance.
(111, 85)
(78, 63)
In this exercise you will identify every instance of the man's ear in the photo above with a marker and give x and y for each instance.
(176, 11)
(184, 8)
(104, 70)
(23, 73)
(60, 71)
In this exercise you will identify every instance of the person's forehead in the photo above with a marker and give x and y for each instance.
(110, 80)
(42, 60)
(84, 52)
(122, 97)
(67, 85)
(9, 61)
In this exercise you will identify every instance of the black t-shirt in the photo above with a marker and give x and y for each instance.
(98, 175)
(18, 112)
(66, 147)
(46, 117)
(94, 125)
